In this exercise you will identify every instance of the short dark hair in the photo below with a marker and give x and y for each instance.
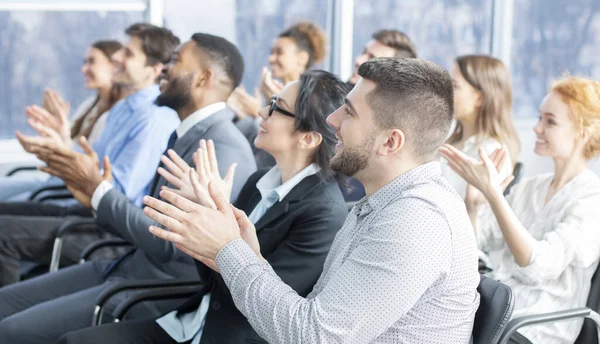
(398, 40)
(158, 44)
(320, 94)
(222, 53)
(414, 95)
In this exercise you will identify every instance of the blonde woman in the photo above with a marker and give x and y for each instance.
(547, 227)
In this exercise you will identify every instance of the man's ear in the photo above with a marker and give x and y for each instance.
(393, 144)
(202, 78)
(157, 69)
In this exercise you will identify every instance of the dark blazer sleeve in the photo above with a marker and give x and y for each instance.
(298, 260)
(129, 221)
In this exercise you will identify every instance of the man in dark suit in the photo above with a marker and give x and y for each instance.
(202, 74)
(296, 208)
(294, 236)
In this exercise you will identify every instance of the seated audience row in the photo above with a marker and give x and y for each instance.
(266, 267)
(88, 120)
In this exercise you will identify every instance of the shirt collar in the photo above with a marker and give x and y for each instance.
(143, 97)
(396, 187)
(198, 116)
(271, 181)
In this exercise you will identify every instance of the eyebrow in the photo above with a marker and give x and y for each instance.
(349, 103)
(550, 114)
(288, 107)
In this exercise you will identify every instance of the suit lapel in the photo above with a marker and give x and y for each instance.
(190, 142)
(280, 208)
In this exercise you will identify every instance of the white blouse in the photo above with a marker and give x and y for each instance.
(470, 148)
(564, 258)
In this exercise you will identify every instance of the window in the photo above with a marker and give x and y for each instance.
(259, 23)
(45, 48)
(441, 30)
(551, 38)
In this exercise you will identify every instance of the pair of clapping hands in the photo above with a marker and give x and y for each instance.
(50, 121)
(197, 213)
(244, 104)
(482, 177)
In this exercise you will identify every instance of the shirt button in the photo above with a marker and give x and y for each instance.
(216, 305)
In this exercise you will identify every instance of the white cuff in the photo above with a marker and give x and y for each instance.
(104, 187)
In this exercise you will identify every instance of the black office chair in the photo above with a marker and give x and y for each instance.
(590, 332)
(518, 174)
(496, 303)
(20, 169)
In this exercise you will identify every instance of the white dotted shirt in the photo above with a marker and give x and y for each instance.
(403, 269)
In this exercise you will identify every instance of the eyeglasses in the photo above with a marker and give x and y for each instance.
(274, 107)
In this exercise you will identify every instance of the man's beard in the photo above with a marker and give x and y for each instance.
(353, 159)
(177, 94)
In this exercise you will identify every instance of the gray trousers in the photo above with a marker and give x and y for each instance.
(42, 309)
(31, 238)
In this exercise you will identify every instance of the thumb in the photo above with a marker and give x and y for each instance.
(220, 201)
(240, 215)
(107, 168)
(230, 174)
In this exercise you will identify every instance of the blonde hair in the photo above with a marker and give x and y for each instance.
(582, 96)
(491, 78)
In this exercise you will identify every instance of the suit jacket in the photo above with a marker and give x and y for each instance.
(294, 235)
(154, 257)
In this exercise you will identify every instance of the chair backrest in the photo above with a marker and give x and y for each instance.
(517, 173)
(588, 332)
(496, 305)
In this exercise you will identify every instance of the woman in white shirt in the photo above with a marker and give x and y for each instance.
(88, 120)
(547, 228)
(483, 111)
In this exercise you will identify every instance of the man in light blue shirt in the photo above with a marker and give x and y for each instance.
(135, 135)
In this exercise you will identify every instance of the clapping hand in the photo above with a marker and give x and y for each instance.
(243, 104)
(79, 170)
(268, 85)
(49, 125)
(193, 184)
(199, 231)
(481, 174)
(55, 104)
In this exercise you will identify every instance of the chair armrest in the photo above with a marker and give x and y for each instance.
(69, 226)
(166, 293)
(20, 169)
(100, 244)
(519, 322)
(45, 189)
(106, 294)
(55, 196)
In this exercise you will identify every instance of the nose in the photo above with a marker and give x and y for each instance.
(333, 120)
(360, 59)
(538, 128)
(166, 68)
(272, 58)
(263, 113)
